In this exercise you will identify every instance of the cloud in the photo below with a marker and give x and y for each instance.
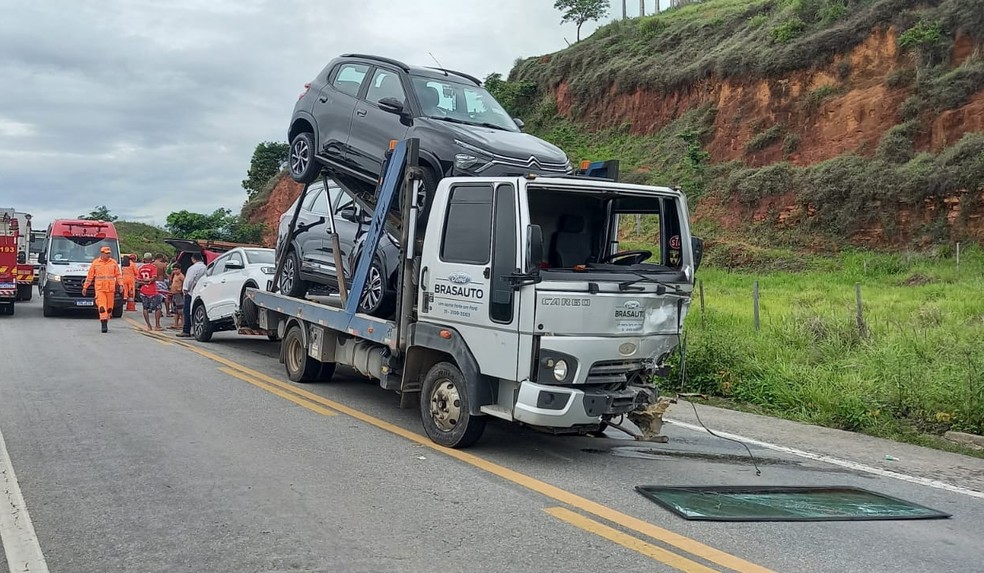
(150, 108)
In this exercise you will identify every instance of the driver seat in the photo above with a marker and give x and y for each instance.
(571, 243)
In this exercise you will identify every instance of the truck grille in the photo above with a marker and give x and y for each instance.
(72, 285)
(612, 371)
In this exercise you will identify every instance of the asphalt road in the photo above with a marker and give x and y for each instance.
(140, 453)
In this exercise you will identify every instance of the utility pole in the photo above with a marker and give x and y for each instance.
(623, 9)
(642, 8)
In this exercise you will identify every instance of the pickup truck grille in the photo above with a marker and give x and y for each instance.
(612, 371)
(72, 285)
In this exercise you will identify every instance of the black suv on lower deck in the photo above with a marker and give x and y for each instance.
(348, 115)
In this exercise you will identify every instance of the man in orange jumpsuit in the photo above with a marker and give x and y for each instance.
(106, 275)
(129, 278)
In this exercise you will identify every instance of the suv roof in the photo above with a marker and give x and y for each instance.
(414, 70)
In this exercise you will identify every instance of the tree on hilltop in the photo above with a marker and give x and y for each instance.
(581, 11)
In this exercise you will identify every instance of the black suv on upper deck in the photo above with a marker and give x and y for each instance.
(348, 115)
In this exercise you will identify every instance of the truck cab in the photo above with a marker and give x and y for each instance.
(530, 273)
(70, 247)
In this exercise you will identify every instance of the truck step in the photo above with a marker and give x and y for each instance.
(498, 412)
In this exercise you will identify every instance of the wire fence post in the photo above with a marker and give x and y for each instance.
(700, 286)
(755, 304)
(958, 258)
(862, 327)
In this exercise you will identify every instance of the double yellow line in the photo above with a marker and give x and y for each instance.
(665, 537)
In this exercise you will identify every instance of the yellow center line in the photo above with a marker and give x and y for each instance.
(286, 396)
(666, 536)
(629, 542)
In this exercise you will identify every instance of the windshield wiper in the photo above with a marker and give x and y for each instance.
(661, 288)
(463, 122)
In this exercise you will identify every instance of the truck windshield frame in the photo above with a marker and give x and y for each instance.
(582, 236)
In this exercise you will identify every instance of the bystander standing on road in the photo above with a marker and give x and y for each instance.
(150, 297)
(195, 272)
(160, 263)
(177, 296)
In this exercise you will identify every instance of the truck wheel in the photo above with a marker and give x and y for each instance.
(46, 309)
(444, 408)
(201, 326)
(300, 366)
(27, 292)
(304, 167)
(290, 277)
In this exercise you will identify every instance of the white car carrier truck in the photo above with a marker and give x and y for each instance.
(514, 301)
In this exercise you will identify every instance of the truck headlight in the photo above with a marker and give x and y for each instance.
(56, 278)
(560, 370)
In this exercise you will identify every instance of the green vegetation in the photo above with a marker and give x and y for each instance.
(140, 238)
(913, 365)
(220, 225)
(268, 159)
(740, 38)
(765, 138)
(100, 213)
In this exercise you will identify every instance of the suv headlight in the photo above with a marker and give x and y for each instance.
(268, 270)
(470, 156)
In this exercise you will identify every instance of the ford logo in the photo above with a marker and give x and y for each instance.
(459, 278)
(631, 305)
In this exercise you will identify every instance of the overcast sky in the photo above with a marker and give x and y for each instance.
(153, 107)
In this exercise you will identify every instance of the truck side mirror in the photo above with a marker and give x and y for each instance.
(534, 249)
(697, 245)
(42, 259)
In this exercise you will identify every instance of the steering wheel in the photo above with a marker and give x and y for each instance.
(635, 256)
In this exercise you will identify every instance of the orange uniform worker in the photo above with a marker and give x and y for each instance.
(130, 278)
(105, 274)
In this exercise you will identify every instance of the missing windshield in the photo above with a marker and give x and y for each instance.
(607, 233)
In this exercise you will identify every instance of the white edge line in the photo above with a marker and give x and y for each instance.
(20, 542)
(839, 462)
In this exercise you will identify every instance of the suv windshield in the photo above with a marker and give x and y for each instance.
(80, 249)
(259, 256)
(447, 99)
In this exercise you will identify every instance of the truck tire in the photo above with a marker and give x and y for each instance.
(304, 166)
(25, 292)
(300, 366)
(444, 408)
(201, 326)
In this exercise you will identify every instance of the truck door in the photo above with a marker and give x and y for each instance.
(464, 282)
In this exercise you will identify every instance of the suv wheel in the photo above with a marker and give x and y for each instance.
(377, 298)
(304, 168)
(291, 283)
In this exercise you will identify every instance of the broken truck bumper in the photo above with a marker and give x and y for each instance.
(567, 407)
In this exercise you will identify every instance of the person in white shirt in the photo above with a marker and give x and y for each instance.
(195, 272)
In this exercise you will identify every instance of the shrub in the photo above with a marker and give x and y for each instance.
(896, 144)
(765, 138)
(788, 30)
(900, 78)
(790, 143)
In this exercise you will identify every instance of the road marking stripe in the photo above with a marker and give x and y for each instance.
(838, 462)
(627, 541)
(20, 542)
(295, 399)
(687, 544)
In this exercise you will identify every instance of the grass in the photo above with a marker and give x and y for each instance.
(739, 39)
(915, 369)
(140, 238)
